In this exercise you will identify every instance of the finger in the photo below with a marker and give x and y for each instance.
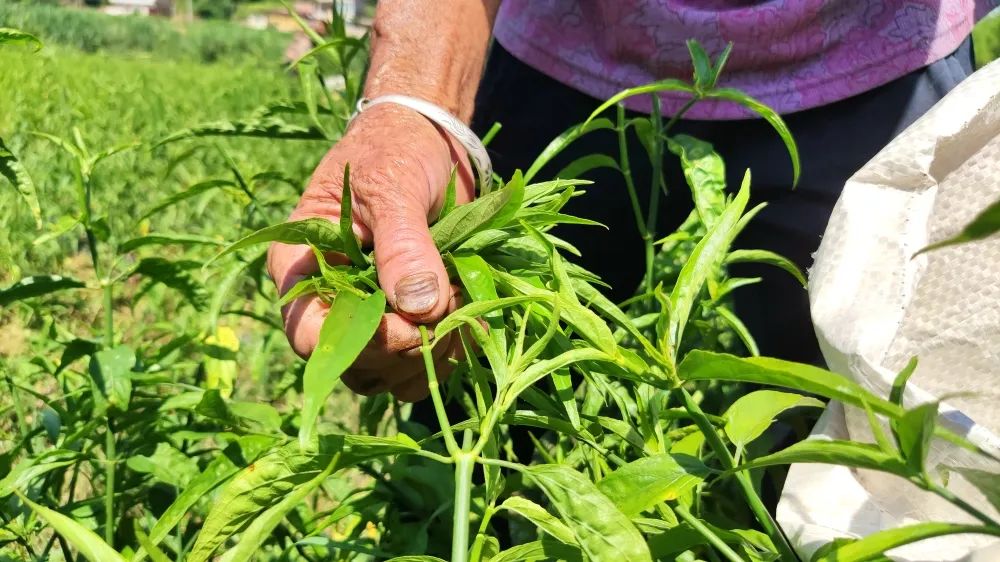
(409, 266)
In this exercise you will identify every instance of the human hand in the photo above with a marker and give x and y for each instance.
(400, 166)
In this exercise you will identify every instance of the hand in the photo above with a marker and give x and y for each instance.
(400, 166)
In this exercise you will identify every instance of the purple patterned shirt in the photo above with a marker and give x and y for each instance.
(790, 54)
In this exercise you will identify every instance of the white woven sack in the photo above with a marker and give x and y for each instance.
(875, 306)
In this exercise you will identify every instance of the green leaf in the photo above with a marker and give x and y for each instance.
(193, 191)
(737, 325)
(91, 546)
(488, 211)
(899, 384)
(565, 139)
(9, 35)
(706, 365)
(541, 518)
(177, 275)
(584, 164)
(155, 554)
(111, 369)
(844, 453)
(913, 434)
(261, 529)
(545, 550)
(705, 173)
(164, 239)
(986, 224)
(349, 325)
(876, 544)
(270, 127)
(641, 484)
(266, 481)
(15, 172)
(768, 257)
(37, 285)
(318, 232)
(668, 85)
(750, 416)
(477, 279)
(602, 531)
(988, 483)
(309, 78)
(166, 464)
(704, 262)
(703, 73)
(450, 194)
(27, 470)
(350, 241)
(222, 468)
(769, 115)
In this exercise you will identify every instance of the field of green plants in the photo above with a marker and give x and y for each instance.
(151, 408)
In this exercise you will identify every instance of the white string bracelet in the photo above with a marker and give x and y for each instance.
(462, 133)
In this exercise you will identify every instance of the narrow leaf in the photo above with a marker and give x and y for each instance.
(986, 224)
(91, 546)
(318, 232)
(36, 286)
(752, 414)
(349, 325)
(15, 172)
(350, 241)
(844, 453)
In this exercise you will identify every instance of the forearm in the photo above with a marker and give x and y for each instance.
(431, 49)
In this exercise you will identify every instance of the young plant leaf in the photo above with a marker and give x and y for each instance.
(844, 453)
(668, 85)
(36, 286)
(155, 554)
(584, 164)
(988, 483)
(111, 369)
(317, 232)
(488, 211)
(166, 239)
(350, 241)
(768, 257)
(349, 325)
(876, 544)
(27, 470)
(702, 65)
(769, 115)
(705, 173)
(566, 138)
(193, 191)
(541, 518)
(706, 365)
(253, 126)
(15, 172)
(9, 35)
(477, 279)
(899, 383)
(643, 483)
(602, 531)
(91, 546)
(913, 434)
(450, 194)
(750, 416)
(986, 224)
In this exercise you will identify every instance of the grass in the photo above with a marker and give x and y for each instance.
(92, 31)
(114, 100)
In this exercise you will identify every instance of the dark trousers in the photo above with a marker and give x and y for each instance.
(834, 142)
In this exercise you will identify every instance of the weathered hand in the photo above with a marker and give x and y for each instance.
(400, 167)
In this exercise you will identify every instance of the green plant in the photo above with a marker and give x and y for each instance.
(641, 450)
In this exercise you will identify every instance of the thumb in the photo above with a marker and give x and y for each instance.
(409, 265)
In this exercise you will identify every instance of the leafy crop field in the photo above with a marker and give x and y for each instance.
(151, 408)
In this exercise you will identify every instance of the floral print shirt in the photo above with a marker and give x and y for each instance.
(789, 54)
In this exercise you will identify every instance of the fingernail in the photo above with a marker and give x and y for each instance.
(417, 293)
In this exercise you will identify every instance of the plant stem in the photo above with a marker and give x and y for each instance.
(959, 502)
(432, 385)
(109, 314)
(709, 535)
(109, 485)
(464, 463)
(626, 170)
(656, 161)
(726, 458)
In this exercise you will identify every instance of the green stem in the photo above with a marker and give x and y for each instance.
(726, 458)
(677, 116)
(432, 385)
(464, 464)
(109, 485)
(709, 535)
(109, 314)
(480, 540)
(652, 212)
(959, 502)
(626, 170)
